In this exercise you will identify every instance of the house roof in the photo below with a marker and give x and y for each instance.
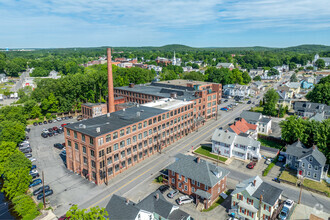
(270, 194)
(242, 126)
(202, 171)
(251, 116)
(255, 187)
(294, 85)
(154, 205)
(299, 150)
(226, 65)
(229, 138)
(203, 194)
(311, 107)
(178, 214)
(117, 208)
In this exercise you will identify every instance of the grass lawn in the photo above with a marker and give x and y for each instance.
(206, 151)
(320, 186)
(257, 109)
(216, 203)
(268, 143)
(289, 176)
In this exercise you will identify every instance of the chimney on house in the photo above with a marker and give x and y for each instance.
(254, 182)
(314, 147)
(111, 99)
(126, 201)
(131, 85)
(157, 196)
(198, 160)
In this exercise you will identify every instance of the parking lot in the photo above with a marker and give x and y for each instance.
(67, 187)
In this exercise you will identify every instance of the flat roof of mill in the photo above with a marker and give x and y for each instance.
(117, 120)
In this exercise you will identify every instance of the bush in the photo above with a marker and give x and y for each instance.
(160, 179)
(270, 166)
(48, 115)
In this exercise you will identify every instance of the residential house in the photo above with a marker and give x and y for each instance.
(242, 127)
(226, 65)
(294, 87)
(230, 144)
(310, 109)
(235, 90)
(326, 59)
(264, 124)
(199, 178)
(306, 85)
(309, 162)
(125, 65)
(3, 78)
(153, 207)
(254, 199)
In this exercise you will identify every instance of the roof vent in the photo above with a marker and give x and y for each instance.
(108, 115)
(184, 100)
(98, 129)
(138, 105)
(157, 196)
(81, 125)
(138, 114)
(124, 109)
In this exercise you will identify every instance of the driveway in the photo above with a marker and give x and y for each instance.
(241, 166)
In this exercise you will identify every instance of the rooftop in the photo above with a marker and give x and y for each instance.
(182, 82)
(202, 171)
(88, 104)
(241, 126)
(229, 137)
(117, 120)
(167, 103)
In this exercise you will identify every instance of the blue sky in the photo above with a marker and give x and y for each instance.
(208, 23)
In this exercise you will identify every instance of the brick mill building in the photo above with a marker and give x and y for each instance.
(101, 147)
(197, 177)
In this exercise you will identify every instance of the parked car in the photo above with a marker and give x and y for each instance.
(28, 155)
(26, 150)
(34, 175)
(32, 159)
(63, 153)
(184, 200)
(70, 117)
(34, 167)
(35, 123)
(40, 190)
(50, 121)
(55, 133)
(251, 165)
(59, 119)
(35, 171)
(281, 158)
(59, 146)
(229, 107)
(50, 129)
(55, 128)
(288, 203)
(249, 102)
(224, 109)
(45, 122)
(268, 161)
(47, 193)
(44, 135)
(54, 120)
(28, 129)
(62, 125)
(79, 118)
(35, 183)
(173, 193)
(284, 213)
(226, 100)
(163, 188)
(50, 134)
(40, 123)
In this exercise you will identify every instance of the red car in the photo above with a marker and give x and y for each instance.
(63, 125)
(55, 128)
(251, 165)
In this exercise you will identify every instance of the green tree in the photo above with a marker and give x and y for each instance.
(293, 129)
(294, 78)
(81, 214)
(320, 63)
(246, 78)
(6, 150)
(292, 66)
(237, 76)
(16, 174)
(320, 93)
(12, 131)
(270, 100)
(273, 72)
(257, 78)
(25, 207)
(39, 72)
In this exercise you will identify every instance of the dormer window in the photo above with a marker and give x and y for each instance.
(310, 159)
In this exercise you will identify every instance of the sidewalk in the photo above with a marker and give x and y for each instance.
(303, 212)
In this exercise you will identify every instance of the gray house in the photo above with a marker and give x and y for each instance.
(309, 162)
(310, 109)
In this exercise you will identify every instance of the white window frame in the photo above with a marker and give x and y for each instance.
(310, 159)
(308, 173)
(315, 175)
(309, 166)
(316, 168)
(206, 187)
(185, 187)
(173, 180)
(198, 184)
(193, 182)
(193, 189)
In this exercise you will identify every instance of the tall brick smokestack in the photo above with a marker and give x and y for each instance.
(111, 98)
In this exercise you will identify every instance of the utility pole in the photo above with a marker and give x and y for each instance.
(43, 190)
(259, 211)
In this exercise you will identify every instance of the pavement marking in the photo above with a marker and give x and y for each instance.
(110, 194)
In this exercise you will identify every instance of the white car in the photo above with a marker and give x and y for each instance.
(34, 171)
(268, 161)
(32, 159)
(288, 203)
(184, 200)
(59, 119)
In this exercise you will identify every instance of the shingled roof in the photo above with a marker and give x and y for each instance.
(202, 171)
(242, 126)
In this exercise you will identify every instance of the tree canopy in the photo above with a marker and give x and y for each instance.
(270, 100)
(321, 92)
(81, 214)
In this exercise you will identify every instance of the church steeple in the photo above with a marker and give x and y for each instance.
(174, 59)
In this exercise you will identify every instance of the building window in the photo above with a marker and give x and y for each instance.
(140, 126)
(129, 150)
(134, 139)
(110, 171)
(206, 187)
(186, 179)
(67, 132)
(117, 167)
(108, 150)
(76, 146)
(109, 160)
(198, 184)
(122, 154)
(193, 182)
(122, 132)
(115, 135)
(75, 134)
(93, 163)
(123, 164)
(309, 173)
(192, 189)
(84, 149)
(316, 168)
(92, 153)
(180, 185)
(94, 175)
(128, 130)
(134, 128)
(116, 157)
(100, 141)
(145, 124)
(310, 159)
(303, 164)
(91, 140)
(85, 160)
(315, 175)
(101, 153)
(186, 188)
(108, 138)
(128, 141)
(173, 180)
(309, 166)
(122, 144)
(145, 134)
(83, 137)
(115, 147)
(140, 136)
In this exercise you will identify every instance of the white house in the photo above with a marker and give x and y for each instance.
(230, 144)
(234, 90)
(264, 124)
